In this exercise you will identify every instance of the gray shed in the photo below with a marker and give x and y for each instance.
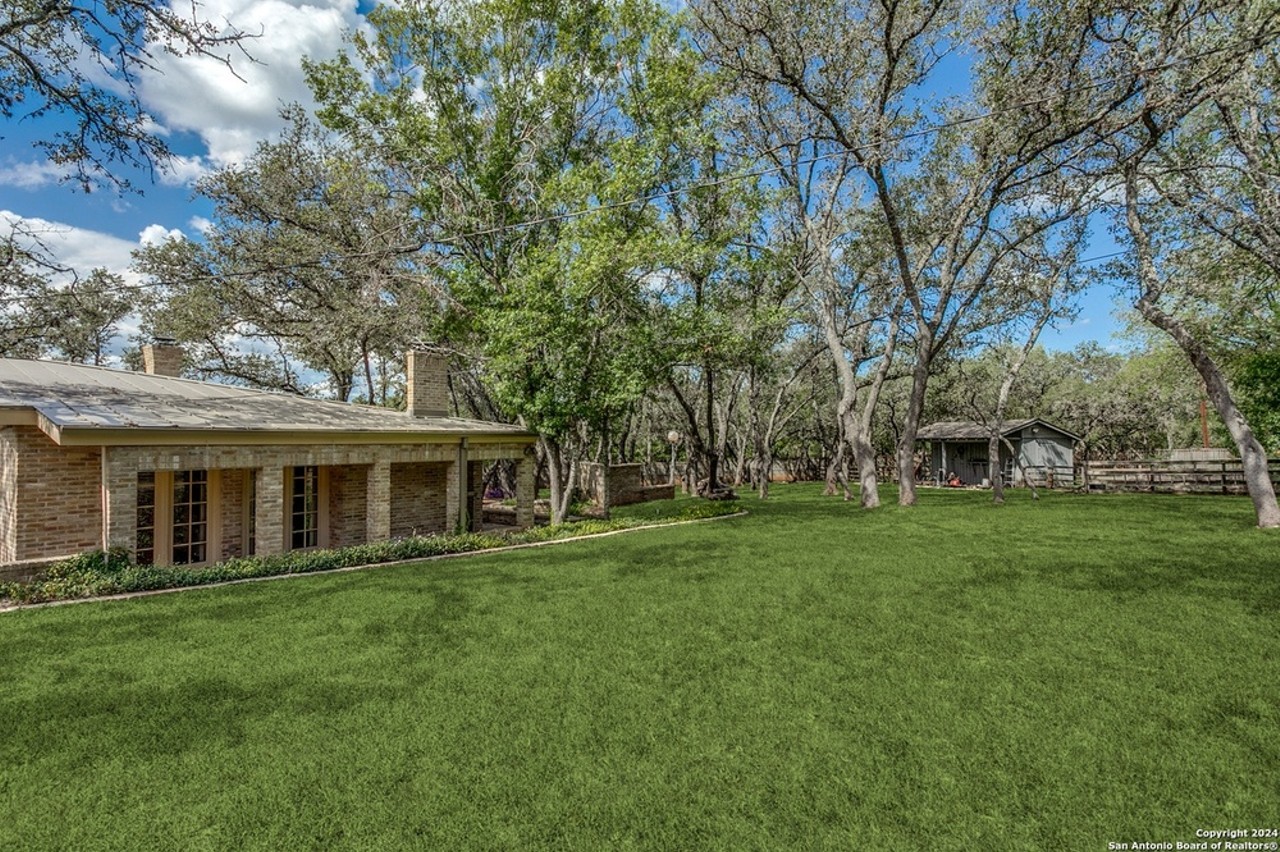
(1047, 452)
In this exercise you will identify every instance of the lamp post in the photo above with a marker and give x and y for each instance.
(673, 438)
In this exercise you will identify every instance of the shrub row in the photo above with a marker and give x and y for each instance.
(99, 573)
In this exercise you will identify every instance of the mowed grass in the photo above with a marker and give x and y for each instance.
(1051, 675)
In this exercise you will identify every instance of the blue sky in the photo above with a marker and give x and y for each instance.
(209, 117)
(212, 119)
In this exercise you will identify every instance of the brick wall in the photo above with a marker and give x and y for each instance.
(426, 384)
(54, 496)
(232, 513)
(51, 497)
(347, 504)
(618, 485)
(418, 498)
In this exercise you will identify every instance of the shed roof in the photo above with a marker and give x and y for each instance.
(77, 403)
(967, 430)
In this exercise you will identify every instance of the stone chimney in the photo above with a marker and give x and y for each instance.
(426, 382)
(162, 357)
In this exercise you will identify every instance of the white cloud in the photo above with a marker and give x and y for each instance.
(156, 234)
(200, 225)
(183, 171)
(233, 113)
(31, 175)
(77, 248)
(82, 249)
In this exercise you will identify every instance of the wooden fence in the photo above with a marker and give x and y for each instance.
(1201, 476)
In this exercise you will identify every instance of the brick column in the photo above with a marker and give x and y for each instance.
(426, 391)
(475, 495)
(451, 502)
(268, 513)
(526, 491)
(119, 501)
(378, 502)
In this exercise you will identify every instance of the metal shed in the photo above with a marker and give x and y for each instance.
(1045, 451)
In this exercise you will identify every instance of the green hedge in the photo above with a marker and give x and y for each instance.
(99, 573)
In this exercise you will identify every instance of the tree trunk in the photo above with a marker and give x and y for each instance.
(864, 455)
(838, 473)
(560, 475)
(1026, 480)
(1253, 457)
(855, 431)
(907, 438)
(696, 452)
(864, 452)
(713, 455)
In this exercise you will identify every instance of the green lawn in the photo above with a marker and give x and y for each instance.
(1051, 675)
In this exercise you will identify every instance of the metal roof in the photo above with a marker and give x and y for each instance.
(80, 398)
(966, 430)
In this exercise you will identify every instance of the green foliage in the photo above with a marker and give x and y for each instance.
(310, 254)
(95, 574)
(1257, 378)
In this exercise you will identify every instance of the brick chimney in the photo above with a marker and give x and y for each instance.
(426, 382)
(162, 357)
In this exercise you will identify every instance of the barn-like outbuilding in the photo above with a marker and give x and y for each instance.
(1044, 451)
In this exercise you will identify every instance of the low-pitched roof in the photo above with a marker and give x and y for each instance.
(77, 403)
(967, 430)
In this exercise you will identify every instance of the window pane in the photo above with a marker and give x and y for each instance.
(190, 514)
(144, 543)
(304, 514)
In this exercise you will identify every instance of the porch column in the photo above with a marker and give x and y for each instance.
(119, 502)
(525, 492)
(378, 502)
(475, 496)
(451, 501)
(268, 511)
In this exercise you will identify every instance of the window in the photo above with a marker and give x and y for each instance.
(190, 516)
(146, 545)
(174, 520)
(304, 507)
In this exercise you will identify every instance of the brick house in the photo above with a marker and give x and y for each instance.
(186, 472)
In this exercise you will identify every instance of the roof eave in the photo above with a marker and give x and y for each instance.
(18, 415)
(138, 437)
